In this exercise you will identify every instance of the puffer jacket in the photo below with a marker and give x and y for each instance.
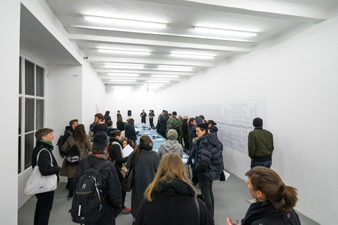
(209, 157)
(170, 146)
(173, 123)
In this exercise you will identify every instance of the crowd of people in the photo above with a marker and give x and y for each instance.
(161, 192)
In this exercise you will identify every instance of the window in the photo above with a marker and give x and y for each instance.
(31, 109)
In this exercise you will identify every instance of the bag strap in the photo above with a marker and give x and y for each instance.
(198, 210)
(37, 157)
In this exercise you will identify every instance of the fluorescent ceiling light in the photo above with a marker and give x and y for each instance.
(124, 74)
(175, 68)
(126, 22)
(158, 81)
(126, 51)
(181, 55)
(167, 76)
(225, 32)
(124, 66)
(123, 80)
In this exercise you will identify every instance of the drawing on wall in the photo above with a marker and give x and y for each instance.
(233, 118)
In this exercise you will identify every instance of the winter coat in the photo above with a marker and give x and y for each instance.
(192, 135)
(100, 127)
(173, 123)
(116, 154)
(162, 125)
(173, 203)
(144, 172)
(44, 162)
(106, 118)
(265, 214)
(170, 146)
(130, 132)
(260, 143)
(120, 125)
(209, 157)
(70, 170)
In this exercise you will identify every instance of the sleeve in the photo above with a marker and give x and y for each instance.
(79, 171)
(140, 216)
(160, 151)
(45, 166)
(203, 158)
(88, 145)
(114, 192)
(129, 160)
(118, 155)
(272, 147)
(65, 147)
(251, 145)
(205, 215)
(180, 149)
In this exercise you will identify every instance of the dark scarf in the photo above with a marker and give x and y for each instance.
(258, 210)
(174, 188)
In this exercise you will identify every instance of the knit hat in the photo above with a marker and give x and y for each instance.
(185, 117)
(172, 134)
(100, 140)
(213, 129)
(198, 120)
(203, 125)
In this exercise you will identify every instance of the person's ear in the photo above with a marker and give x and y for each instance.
(260, 195)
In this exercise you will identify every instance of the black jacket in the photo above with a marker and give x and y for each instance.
(209, 157)
(110, 181)
(266, 214)
(68, 132)
(106, 118)
(130, 132)
(192, 134)
(120, 125)
(44, 162)
(100, 127)
(162, 125)
(173, 203)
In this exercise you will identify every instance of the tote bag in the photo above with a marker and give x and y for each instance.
(37, 183)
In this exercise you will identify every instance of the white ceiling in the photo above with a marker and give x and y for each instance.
(268, 18)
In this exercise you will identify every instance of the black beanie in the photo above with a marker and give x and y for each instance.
(203, 125)
(100, 140)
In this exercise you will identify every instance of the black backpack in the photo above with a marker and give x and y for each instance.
(73, 155)
(89, 199)
(61, 141)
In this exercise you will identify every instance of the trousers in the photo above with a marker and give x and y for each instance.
(43, 207)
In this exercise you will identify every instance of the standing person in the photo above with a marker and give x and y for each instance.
(170, 198)
(275, 200)
(44, 137)
(143, 116)
(69, 129)
(81, 140)
(151, 118)
(173, 123)
(118, 114)
(260, 145)
(100, 125)
(185, 133)
(145, 166)
(212, 127)
(106, 116)
(209, 163)
(118, 159)
(162, 124)
(130, 132)
(110, 181)
(120, 124)
(170, 145)
(110, 127)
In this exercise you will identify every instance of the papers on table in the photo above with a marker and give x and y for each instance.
(127, 150)
(158, 139)
(146, 133)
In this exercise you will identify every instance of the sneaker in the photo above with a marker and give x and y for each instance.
(69, 197)
(125, 210)
(252, 200)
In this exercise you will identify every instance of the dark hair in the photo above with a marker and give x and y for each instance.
(42, 132)
(99, 116)
(212, 122)
(174, 113)
(131, 121)
(271, 185)
(109, 123)
(203, 118)
(145, 141)
(184, 126)
(98, 150)
(107, 112)
(257, 122)
(203, 129)
(118, 111)
(72, 122)
(169, 114)
(191, 120)
(119, 119)
(79, 133)
(115, 133)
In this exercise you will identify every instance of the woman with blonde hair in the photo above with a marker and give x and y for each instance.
(170, 198)
(275, 200)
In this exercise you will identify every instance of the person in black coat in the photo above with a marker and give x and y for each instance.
(162, 124)
(110, 181)
(130, 132)
(107, 117)
(170, 198)
(120, 124)
(275, 200)
(47, 167)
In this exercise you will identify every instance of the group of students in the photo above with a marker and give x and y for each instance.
(162, 192)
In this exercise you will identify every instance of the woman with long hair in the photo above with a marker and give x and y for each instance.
(81, 140)
(145, 163)
(275, 200)
(120, 124)
(170, 198)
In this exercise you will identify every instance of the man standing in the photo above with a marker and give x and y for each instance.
(69, 129)
(173, 123)
(151, 118)
(118, 114)
(47, 166)
(106, 116)
(143, 116)
(100, 125)
(260, 145)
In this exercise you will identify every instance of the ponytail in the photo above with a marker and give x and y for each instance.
(290, 198)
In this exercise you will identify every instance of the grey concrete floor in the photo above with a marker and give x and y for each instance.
(230, 201)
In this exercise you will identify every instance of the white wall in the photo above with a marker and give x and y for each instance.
(134, 100)
(298, 77)
(9, 89)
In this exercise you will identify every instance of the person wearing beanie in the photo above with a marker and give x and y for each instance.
(212, 127)
(170, 145)
(260, 146)
(110, 181)
(198, 120)
(209, 163)
(173, 123)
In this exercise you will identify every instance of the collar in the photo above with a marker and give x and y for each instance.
(46, 144)
(258, 128)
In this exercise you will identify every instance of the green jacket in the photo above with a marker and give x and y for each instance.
(260, 143)
(173, 123)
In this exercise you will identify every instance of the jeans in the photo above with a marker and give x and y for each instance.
(266, 164)
(43, 207)
(151, 121)
(206, 191)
